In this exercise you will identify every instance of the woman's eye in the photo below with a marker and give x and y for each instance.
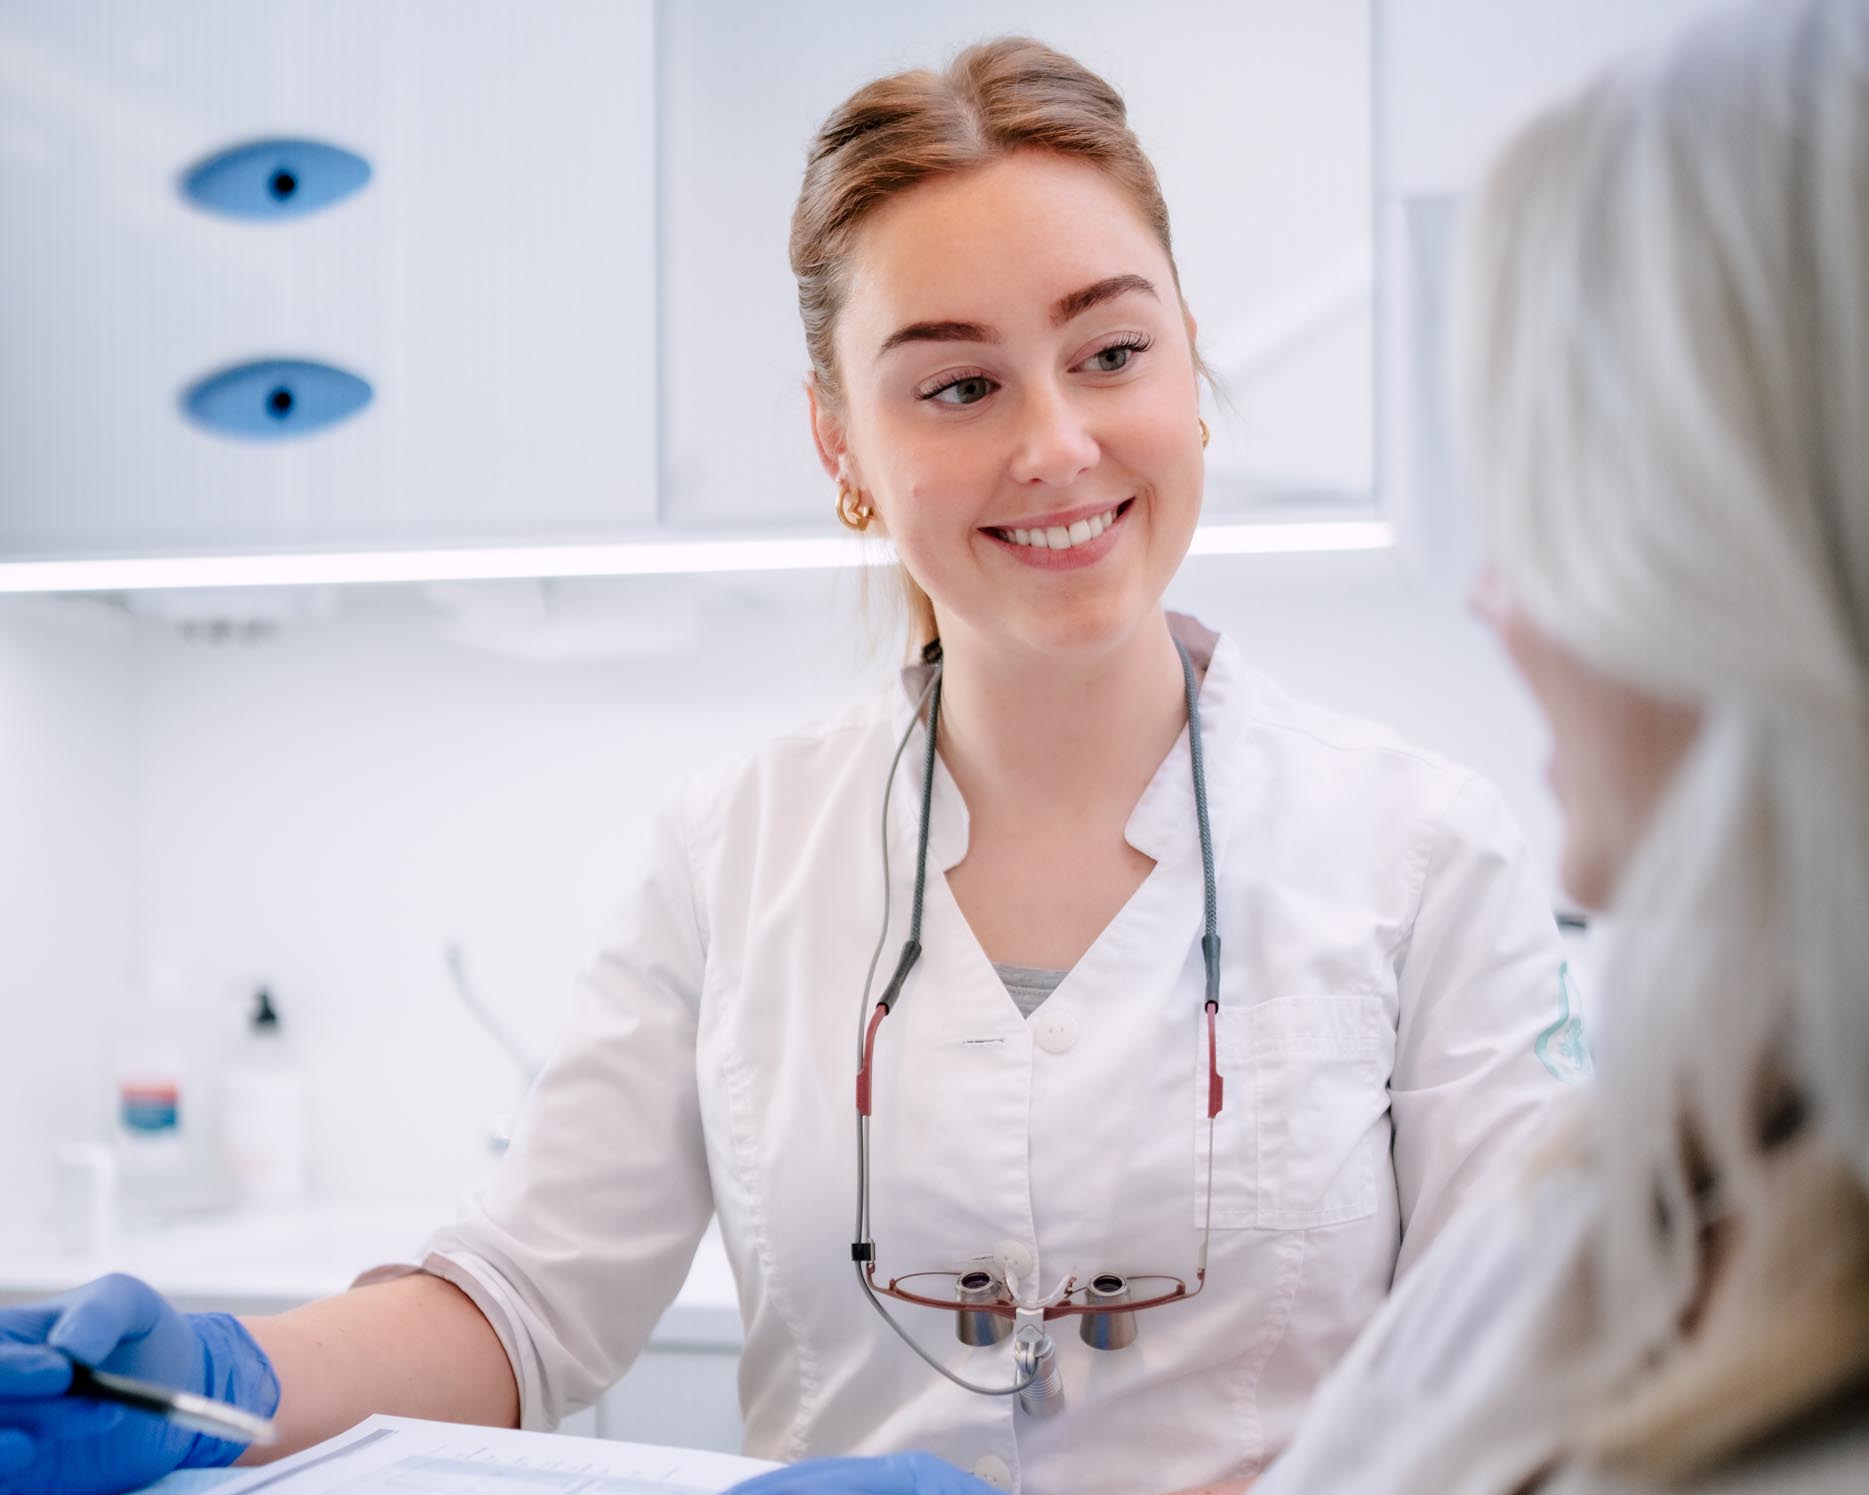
(968, 391)
(1116, 357)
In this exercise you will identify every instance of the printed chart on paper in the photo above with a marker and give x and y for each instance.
(405, 1455)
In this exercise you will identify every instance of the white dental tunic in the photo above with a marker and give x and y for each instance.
(1391, 1027)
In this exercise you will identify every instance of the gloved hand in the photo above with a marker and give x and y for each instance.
(892, 1474)
(51, 1444)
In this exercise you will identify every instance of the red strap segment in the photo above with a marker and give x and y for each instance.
(869, 1053)
(1216, 1086)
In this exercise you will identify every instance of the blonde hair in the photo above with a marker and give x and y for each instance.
(891, 135)
(1663, 373)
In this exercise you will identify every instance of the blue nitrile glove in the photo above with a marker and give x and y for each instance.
(51, 1444)
(892, 1474)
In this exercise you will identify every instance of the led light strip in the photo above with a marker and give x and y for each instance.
(642, 558)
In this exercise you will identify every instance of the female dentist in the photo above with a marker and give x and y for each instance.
(1172, 989)
(1675, 1295)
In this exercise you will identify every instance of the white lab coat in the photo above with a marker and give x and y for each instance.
(1389, 965)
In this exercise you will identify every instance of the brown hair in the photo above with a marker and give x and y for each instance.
(998, 97)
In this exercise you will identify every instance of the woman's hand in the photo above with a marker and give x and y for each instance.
(893, 1474)
(51, 1444)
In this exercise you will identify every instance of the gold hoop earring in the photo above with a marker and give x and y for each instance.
(1206, 435)
(856, 515)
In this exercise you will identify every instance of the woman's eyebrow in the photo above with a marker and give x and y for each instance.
(1063, 310)
(938, 332)
(1108, 289)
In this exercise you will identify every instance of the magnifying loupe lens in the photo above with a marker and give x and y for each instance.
(980, 1328)
(1114, 1327)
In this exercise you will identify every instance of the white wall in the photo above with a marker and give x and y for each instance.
(1452, 79)
(68, 881)
(1454, 76)
(324, 809)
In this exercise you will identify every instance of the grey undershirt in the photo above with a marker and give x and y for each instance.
(1028, 986)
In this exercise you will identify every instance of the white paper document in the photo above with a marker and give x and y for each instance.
(404, 1454)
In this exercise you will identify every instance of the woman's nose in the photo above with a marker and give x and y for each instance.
(1054, 445)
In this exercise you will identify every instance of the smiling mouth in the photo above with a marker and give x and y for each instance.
(1061, 536)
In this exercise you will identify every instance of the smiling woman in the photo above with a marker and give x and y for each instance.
(959, 327)
(1059, 387)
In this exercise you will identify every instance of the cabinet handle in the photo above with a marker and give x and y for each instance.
(275, 399)
(270, 179)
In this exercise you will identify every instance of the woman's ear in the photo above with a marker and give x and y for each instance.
(827, 434)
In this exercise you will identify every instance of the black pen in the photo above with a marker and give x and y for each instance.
(186, 1409)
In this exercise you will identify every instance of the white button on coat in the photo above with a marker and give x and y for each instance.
(1055, 1032)
(993, 1470)
(1389, 969)
(1013, 1258)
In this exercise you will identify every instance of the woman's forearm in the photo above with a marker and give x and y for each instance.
(413, 1347)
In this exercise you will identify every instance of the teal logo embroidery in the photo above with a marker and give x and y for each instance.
(1562, 1048)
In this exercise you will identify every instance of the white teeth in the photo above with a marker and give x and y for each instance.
(1061, 537)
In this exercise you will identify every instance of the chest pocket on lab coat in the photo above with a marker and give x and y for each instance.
(1298, 1143)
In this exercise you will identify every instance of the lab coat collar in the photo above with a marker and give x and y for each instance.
(947, 812)
(1162, 824)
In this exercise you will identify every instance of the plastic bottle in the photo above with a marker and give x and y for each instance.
(263, 1112)
(151, 1111)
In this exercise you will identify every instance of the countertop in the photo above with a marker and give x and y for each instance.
(269, 1261)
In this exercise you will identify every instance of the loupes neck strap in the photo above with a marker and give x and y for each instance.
(1210, 929)
(921, 840)
(912, 947)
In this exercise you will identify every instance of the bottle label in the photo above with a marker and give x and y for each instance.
(149, 1109)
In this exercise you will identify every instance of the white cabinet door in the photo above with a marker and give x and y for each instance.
(493, 283)
(686, 1395)
(1255, 112)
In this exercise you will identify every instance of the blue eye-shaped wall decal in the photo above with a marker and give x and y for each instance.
(275, 399)
(275, 178)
